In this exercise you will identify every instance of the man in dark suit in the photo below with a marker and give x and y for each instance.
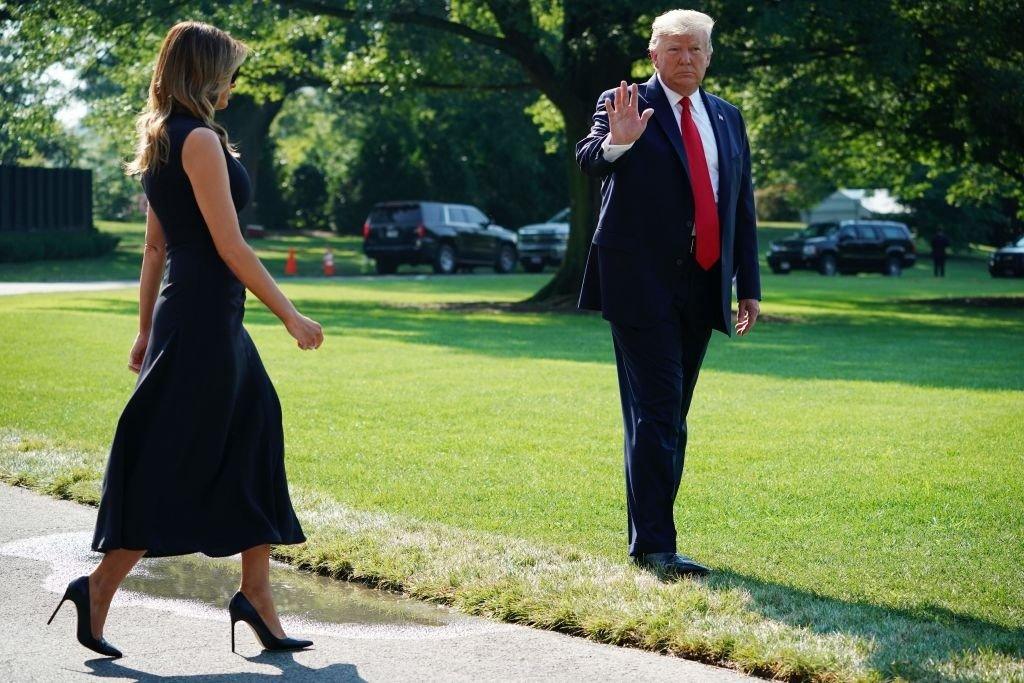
(939, 245)
(676, 227)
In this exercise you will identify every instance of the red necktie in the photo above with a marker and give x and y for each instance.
(704, 207)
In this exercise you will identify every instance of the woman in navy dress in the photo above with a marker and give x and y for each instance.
(197, 461)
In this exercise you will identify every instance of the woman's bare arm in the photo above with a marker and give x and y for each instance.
(153, 258)
(202, 157)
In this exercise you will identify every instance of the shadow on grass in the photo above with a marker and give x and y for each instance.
(939, 350)
(289, 670)
(904, 640)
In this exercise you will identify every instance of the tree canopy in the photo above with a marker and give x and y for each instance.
(923, 98)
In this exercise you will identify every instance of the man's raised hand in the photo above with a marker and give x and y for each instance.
(625, 123)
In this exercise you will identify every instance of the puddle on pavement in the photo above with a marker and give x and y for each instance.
(301, 594)
(199, 586)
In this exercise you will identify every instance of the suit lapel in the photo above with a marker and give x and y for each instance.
(724, 156)
(663, 113)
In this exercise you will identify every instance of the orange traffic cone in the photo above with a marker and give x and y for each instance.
(328, 262)
(291, 266)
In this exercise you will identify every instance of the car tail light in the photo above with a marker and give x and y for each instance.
(366, 230)
(421, 231)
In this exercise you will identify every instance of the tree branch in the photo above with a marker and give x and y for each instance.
(1008, 170)
(434, 85)
(537, 66)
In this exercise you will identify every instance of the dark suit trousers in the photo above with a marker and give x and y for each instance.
(658, 369)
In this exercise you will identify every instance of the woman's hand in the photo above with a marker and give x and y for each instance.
(307, 333)
(138, 352)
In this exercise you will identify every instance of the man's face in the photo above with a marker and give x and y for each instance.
(681, 61)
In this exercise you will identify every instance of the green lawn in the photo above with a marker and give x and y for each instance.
(853, 475)
(125, 261)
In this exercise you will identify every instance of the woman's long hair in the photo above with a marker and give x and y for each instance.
(195, 65)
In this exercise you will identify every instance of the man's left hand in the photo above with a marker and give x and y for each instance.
(746, 315)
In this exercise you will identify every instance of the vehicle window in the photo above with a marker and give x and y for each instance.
(848, 231)
(457, 214)
(476, 215)
(432, 213)
(819, 230)
(866, 232)
(560, 217)
(891, 232)
(399, 213)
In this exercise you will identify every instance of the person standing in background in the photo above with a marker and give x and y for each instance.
(939, 245)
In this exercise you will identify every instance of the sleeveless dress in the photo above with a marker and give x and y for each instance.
(197, 461)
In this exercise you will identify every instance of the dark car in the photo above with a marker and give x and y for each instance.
(851, 246)
(1008, 261)
(446, 236)
(543, 244)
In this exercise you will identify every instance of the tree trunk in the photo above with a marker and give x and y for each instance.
(584, 202)
(248, 125)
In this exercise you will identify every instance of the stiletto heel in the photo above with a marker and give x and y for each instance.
(78, 593)
(240, 609)
(59, 605)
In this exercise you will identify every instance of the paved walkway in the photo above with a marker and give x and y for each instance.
(11, 288)
(44, 543)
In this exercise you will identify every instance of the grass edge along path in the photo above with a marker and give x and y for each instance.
(561, 590)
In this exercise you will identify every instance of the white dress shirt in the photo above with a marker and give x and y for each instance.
(700, 119)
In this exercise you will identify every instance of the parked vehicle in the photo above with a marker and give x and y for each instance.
(850, 246)
(446, 236)
(1008, 261)
(543, 244)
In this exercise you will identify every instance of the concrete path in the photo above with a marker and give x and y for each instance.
(12, 288)
(373, 637)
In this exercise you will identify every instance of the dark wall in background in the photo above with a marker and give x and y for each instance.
(45, 199)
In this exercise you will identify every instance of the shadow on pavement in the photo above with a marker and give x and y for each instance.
(290, 670)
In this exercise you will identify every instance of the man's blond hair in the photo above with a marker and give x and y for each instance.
(682, 22)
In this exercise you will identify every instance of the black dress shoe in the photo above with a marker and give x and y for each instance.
(671, 564)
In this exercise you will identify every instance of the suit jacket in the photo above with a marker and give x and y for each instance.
(647, 214)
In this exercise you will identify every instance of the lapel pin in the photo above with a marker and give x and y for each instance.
(721, 118)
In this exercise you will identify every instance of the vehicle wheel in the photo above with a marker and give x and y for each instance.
(444, 261)
(782, 271)
(533, 267)
(893, 266)
(506, 261)
(386, 267)
(828, 265)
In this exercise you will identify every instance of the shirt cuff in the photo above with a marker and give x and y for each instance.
(612, 152)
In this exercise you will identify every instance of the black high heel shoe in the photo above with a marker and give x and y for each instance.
(241, 609)
(78, 593)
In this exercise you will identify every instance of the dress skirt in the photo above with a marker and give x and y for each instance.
(197, 461)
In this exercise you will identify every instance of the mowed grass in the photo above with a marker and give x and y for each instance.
(854, 467)
(125, 261)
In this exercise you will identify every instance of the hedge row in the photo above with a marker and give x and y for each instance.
(54, 244)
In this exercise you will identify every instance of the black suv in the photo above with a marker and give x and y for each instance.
(447, 236)
(846, 247)
(1008, 261)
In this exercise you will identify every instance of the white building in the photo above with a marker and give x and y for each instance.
(846, 204)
